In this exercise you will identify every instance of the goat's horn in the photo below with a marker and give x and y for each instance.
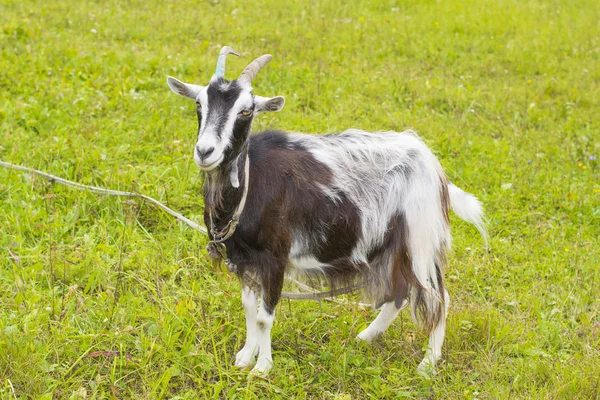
(249, 73)
(220, 72)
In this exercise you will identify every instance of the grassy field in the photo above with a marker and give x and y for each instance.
(102, 298)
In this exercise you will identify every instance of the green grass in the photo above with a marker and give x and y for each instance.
(506, 92)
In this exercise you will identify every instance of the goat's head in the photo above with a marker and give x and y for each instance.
(225, 111)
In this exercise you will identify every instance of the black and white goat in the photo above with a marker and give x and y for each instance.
(358, 208)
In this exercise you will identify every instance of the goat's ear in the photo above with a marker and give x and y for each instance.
(269, 104)
(183, 89)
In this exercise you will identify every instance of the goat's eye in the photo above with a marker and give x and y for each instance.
(245, 113)
(198, 105)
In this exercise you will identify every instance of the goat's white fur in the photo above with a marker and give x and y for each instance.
(245, 357)
(264, 322)
(468, 208)
(384, 319)
(436, 340)
(258, 335)
(365, 167)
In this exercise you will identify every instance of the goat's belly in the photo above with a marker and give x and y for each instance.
(304, 257)
(306, 263)
(343, 265)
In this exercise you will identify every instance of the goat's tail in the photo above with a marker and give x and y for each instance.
(468, 208)
(427, 258)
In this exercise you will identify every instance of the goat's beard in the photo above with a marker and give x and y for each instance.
(214, 183)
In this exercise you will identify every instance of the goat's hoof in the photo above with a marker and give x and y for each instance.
(427, 368)
(242, 363)
(262, 367)
(367, 335)
(244, 358)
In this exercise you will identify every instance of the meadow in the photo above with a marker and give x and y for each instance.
(106, 298)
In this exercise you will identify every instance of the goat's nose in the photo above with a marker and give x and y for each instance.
(204, 152)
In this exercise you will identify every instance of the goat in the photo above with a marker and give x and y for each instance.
(355, 208)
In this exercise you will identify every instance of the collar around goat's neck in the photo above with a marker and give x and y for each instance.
(229, 229)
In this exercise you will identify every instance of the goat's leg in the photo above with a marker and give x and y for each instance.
(264, 324)
(382, 322)
(436, 339)
(271, 292)
(246, 355)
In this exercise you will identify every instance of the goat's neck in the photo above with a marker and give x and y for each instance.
(221, 197)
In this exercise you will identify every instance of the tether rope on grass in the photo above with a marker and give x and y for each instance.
(315, 295)
(53, 178)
